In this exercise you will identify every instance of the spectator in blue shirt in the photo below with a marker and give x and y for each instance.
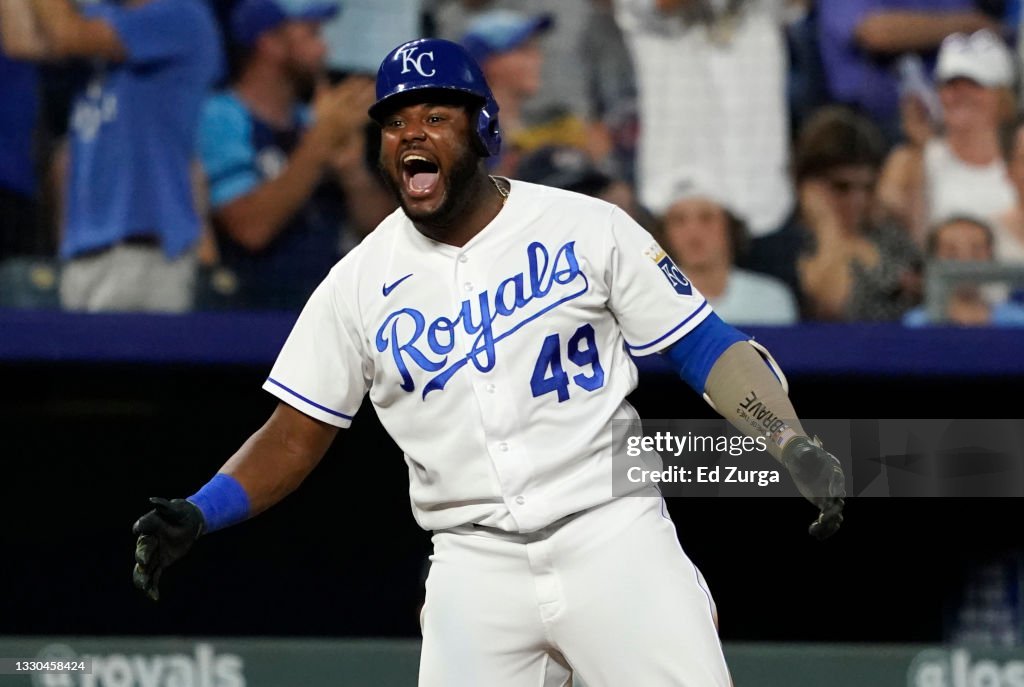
(861, 39)
(281, 220)
(130, 223)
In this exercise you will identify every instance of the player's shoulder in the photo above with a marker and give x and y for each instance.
(382, 238)
(375, 246)
(586, 216)
(594, 225)
(549, 197)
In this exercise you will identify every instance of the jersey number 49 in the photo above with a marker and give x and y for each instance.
(548, 373)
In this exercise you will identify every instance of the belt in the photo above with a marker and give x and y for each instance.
(519, 537)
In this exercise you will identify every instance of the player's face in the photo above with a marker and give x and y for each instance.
(696, 231)
(428, 160)
(963, 241)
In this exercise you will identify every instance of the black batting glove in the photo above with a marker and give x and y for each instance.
(819, 477)
(164, 534)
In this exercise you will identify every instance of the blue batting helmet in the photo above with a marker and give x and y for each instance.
(433, 64)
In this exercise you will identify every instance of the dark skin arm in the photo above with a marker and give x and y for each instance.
(269, 466)
(279, 456)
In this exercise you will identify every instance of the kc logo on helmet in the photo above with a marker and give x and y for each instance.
(416, 61)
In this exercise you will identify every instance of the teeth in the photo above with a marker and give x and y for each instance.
(410, 158)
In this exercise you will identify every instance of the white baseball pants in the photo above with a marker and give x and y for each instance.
(608, 595)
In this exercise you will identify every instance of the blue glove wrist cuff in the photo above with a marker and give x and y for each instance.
(222, 501)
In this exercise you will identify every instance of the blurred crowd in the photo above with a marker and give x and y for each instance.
(799, 159)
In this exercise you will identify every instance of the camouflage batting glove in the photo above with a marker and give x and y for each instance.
(819, 477)
(165, 534)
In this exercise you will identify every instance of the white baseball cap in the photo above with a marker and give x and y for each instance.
(692, 182)
(981, 57)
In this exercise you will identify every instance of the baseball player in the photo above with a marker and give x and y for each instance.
(492, 322)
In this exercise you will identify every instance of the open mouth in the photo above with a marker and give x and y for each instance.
(420, 175)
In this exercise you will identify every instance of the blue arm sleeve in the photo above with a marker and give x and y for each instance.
(695, 354)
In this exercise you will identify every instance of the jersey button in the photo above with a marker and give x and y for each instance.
(490, 388)
(520, 500)
(503, 447)
(463, 258)
(467, 286)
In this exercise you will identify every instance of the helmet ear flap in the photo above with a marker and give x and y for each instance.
(484, 135)
(488, 130)
(479, 145)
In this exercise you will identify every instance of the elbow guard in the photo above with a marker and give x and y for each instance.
(695, 354)
(772, 365)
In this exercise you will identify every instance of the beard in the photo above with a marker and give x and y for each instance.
(304, 81)
(459, 190)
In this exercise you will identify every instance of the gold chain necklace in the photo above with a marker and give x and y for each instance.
(501, 191)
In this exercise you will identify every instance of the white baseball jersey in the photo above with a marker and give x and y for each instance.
(496, 367)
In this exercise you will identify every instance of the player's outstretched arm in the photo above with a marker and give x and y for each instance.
(741, 374)
(282, 453)
(268, 467)
(733, 374)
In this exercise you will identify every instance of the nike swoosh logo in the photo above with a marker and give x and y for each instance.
(388, 289)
